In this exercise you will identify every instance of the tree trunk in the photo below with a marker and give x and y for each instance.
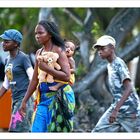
(44, 13)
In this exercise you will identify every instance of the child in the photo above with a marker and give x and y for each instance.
(123, 114)
(70, 48)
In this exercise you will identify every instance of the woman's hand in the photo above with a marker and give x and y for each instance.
(42, 65)
(22, 109)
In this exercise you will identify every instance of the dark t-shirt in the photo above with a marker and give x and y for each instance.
(15, 70)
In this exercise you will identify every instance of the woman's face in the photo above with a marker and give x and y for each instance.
(9, 45)
(41, 35)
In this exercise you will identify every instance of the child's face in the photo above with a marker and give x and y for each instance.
(104, 51)
(70, 47)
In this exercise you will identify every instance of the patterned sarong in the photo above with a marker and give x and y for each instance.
(55, 110)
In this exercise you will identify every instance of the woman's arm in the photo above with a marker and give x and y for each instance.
(64, 73)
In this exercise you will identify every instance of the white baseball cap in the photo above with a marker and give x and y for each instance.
(104, 41)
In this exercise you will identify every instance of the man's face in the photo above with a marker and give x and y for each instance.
(9, 45)
(104, 51)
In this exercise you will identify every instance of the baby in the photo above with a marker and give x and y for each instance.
(70, 48)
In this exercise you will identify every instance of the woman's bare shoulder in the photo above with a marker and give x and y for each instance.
(38, 51)
(58, 50)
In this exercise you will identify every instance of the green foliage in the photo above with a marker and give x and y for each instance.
(13, 18)
(25, 19)
(96, 30)
(66, 24)
(81, 70)
(22, 19)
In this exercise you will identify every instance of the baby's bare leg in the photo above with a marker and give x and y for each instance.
(56, 87)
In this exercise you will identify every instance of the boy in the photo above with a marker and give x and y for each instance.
(18, 73)
(123, 112)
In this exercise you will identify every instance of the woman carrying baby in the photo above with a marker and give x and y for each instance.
(54, 112)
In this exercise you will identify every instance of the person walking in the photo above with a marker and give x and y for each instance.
(124, 113)
(55, 109)
(18, 73)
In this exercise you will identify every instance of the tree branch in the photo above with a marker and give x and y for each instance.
(75, 17)
(44, 13)
(132, 48)
(120, 26)
(122, 23)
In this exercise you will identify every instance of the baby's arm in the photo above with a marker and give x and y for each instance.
(72, 65)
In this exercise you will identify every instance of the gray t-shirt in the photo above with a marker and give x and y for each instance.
(15, 70)
(117, 73)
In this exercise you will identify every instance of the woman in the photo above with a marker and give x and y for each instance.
(18, 73)
(54, 112)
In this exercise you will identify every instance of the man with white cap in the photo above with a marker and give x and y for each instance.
(123, 115)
